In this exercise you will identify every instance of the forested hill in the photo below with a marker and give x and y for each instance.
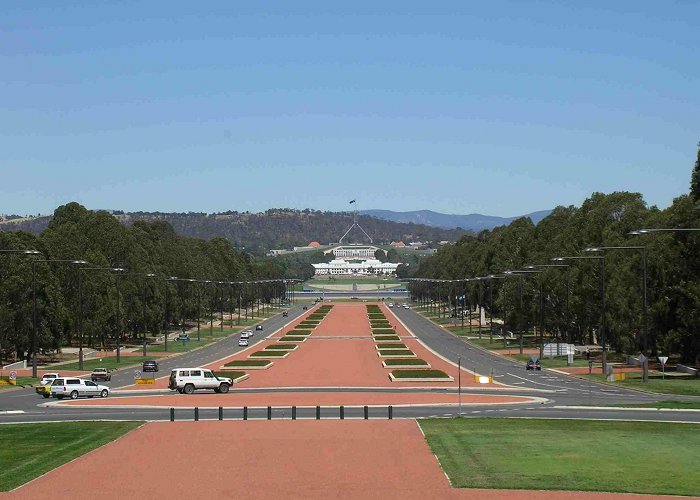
(274, 228)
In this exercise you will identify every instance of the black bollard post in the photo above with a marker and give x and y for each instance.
(366, 413)
(221, 413)
(391, 412)
(342, 413)
(196, 414)
(318, 413)
(294, 412)
(269, 412)
(172, 414)
(245, 413)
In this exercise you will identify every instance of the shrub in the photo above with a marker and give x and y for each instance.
(420, 374)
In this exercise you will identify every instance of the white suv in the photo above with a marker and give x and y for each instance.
(187, 380)
(75, 387)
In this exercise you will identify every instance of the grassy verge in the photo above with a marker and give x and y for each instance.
(109, 363)
(673, 384)
(380, 338)
(407, 361)
(393, 346)
(399, 374)
(672, 405)
(268, 354)
(21, 382)
(30, 450)
(243, 363)
(632, 457)
(229, 374)
(395, 352)
(280, 347)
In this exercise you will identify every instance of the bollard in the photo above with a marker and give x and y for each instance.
(318, 413)
(366, 413)
(172, 414)
(269, 412)
(196, 414)
(245, 413)
(342, 413)
(391, 412)
(294, 412)
(221, 413)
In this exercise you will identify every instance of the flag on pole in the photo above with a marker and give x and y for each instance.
(352, 201)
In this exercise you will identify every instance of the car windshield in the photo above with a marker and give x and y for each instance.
(57, 381)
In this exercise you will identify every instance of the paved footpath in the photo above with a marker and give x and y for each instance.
(267, 460)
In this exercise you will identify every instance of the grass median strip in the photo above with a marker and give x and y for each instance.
(296, 333)
(30, 450)
(395, 352)
(406, 362)
(246, 363)
(626, 457)
(384, 338)
(269, 354)
(281, 347)
(411, 374)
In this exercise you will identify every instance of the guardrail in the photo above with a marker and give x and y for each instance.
(286, 413)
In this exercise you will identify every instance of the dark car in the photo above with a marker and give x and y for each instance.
(285, 314)
(258, 328)
(305, 308)
(533, 364)
(150, 366)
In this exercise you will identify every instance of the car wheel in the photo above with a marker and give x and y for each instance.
(74, 395)
(189, 389)
(104, 393)
(223, 388)
(90, 397)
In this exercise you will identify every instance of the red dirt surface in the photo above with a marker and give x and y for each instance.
(298, 399)
(267, 460)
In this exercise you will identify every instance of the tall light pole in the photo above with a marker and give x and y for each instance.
(645, 324)
(601, 262)
(81, 309)
(521, 273)
(34, 308)
(568, 290)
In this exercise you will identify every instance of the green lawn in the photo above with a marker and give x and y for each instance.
(109, 363)
(243, 363)
(682, 385)
(30, 450)
(419, 374)
(673, 405)
(633, 457)
(21, 381)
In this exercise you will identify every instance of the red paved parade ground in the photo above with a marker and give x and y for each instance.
(339, 353)
(267, 460)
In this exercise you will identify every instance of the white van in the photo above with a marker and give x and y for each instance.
(187, 380)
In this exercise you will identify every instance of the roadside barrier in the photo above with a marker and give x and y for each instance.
(341, 412)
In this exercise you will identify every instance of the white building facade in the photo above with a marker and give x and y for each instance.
(366, 267)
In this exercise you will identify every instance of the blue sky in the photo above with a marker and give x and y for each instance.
(494, 107)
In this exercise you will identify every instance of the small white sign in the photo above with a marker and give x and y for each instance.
(137, 374)
(13, 375)
(663, 359)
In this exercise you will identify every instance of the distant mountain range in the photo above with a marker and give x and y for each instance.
(470, 222)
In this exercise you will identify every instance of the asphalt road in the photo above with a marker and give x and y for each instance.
(562, 392)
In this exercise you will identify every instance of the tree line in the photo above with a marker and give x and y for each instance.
(75, 233)
(673, 272)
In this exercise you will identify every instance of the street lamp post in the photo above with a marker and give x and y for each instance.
(568, 289)
(601, 261)
(521, 274)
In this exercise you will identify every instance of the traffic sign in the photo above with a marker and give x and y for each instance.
(663, 359)
(137, 374)
(13, 375)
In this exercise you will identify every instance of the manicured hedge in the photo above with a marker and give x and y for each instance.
(380, 338)
(393, 346)
(299, 332)
(242, 363)
(281, 347)
(271, 354)
(396, 352)
(291, 338)
(420, 374)
(405, 361)
(304, 327)
(383, 331)
(230, 374)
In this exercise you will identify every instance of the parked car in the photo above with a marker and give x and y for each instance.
(391, 304)
(243, 342)
(74, 388)
(150, 366)
(258, 328)
(45, 388)
(245, 334)
(188, 380)
(101, 374)
(183, 337)
(47, 378)
(533, 364)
